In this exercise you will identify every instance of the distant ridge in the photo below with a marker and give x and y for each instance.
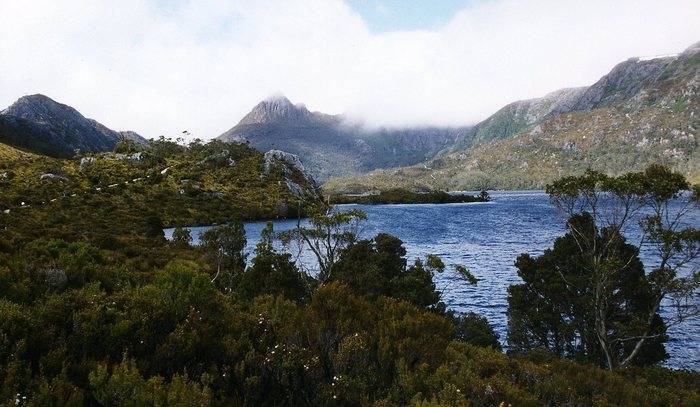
(519, 116)
(646, 110)
(39, 124)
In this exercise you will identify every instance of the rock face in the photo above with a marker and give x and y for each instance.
(276, 109)
(273, 156)
(40, 124)
(329, 146)
(519, 116)
(625, 81)
(292, 169)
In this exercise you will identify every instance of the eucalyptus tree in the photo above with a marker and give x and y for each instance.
(326, 236)
(224, 246)
(182, 237)
(588, 297)
(274, 273)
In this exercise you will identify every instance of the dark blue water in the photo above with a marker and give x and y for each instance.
(486, 238)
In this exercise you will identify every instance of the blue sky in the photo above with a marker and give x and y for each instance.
(401, 15)
(159, 67)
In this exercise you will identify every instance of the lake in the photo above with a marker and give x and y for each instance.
(486, 238)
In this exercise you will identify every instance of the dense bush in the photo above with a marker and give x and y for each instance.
(139, 321)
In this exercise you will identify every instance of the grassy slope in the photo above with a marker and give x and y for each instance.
(9, 153)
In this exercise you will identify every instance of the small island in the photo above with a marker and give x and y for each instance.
(403, 196)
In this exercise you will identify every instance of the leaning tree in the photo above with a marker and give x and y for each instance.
(325, 236)
(224, 247)
(589, 297)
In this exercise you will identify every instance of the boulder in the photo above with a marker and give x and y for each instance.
(219, 159)
(289, 162)
(53, 177)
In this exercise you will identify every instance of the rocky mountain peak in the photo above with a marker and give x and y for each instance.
(40, 107)
(39, 123)
(274, 109)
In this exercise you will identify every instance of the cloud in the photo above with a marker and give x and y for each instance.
(162, 67)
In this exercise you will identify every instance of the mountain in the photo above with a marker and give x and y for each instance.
(329, 146)
(38, 123)
(277, 109)
(645, 110)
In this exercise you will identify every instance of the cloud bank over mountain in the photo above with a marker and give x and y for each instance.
(163, 67)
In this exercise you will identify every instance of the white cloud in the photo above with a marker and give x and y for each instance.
(201, 65)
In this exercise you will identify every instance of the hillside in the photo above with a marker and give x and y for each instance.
(646, 110)
(9, 153)
(38, 123)
(329, 146)
(518, 117)
(201, 184)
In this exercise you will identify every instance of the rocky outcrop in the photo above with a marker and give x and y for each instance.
(272, 156)
(119, 156)
(87, 161)
(40, 124)
(299, 181)
(220, 159)
(53, 177)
